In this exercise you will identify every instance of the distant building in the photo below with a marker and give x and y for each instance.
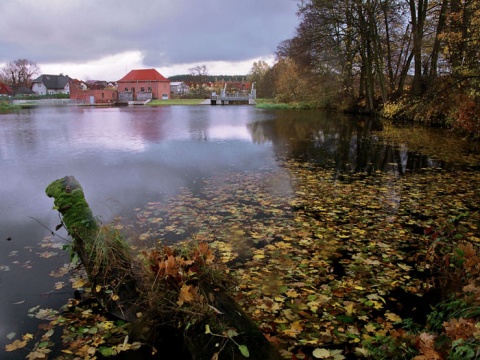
(179, 88)
(51, 84)
(23, 90)
(79, 91)
(5, 90)
(142, 85)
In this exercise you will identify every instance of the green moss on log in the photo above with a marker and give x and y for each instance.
(69, 200)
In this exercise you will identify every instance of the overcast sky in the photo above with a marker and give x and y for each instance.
(105, 39)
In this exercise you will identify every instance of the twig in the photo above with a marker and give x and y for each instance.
(51, 231)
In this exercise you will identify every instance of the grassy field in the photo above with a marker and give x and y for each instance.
(158, 102)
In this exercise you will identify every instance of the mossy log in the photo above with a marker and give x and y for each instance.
(106, 259)
(112, 270)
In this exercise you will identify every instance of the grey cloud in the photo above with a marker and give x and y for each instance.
(166, 32)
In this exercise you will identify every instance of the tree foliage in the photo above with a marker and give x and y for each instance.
(259, 75)
(365, 54)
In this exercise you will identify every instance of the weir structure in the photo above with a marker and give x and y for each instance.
(226, 98)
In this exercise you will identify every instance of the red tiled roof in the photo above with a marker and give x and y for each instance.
(143, 75)
(5, 89)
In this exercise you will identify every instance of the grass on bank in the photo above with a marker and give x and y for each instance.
(6, 107)
(261, 104)
(158, 102)
(272, 104)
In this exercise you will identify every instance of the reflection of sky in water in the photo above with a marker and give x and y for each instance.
(122, 131)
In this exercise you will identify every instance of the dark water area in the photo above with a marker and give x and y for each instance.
(127, 157)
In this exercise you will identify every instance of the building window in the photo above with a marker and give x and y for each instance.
(149, 89)
(126, 89)
(103, 96)
(142, 89)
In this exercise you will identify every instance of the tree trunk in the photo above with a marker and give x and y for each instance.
(418, 14)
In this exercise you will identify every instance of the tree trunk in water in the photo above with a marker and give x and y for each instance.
(227, 333)
(96, 251)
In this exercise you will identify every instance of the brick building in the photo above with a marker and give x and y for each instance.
(144, 84)
(79, 92)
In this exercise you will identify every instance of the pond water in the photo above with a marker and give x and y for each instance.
(127, 157)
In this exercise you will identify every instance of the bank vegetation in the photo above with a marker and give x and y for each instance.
(413, 59)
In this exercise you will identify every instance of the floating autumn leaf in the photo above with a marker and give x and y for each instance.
(321, 353)
(15, 345)
(79, 283)
(39, 354)
(47, 254)
(295, 329)
(292, 293)
(349, 307)
(46, 314)
(370, 328)
(61, 271)
(48, 334)
(393, 317)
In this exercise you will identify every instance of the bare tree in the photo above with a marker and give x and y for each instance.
(19, 73)
(199, 76)
(199, 73)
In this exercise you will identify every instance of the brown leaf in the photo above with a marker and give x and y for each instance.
(188, 293)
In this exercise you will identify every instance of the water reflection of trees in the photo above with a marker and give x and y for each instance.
(345, 143)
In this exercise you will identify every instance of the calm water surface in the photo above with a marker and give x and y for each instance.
(126, 157)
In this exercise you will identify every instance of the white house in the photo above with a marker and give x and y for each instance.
(51, 84)
(178, 88)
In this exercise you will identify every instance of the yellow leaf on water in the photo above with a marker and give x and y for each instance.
(393, 317)
(78, 283)
(377, 305)
(370, 327)
(349, 308)
(295, 329)
(292, 293)
(17, 344)
(258, 256)
(283, 245)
